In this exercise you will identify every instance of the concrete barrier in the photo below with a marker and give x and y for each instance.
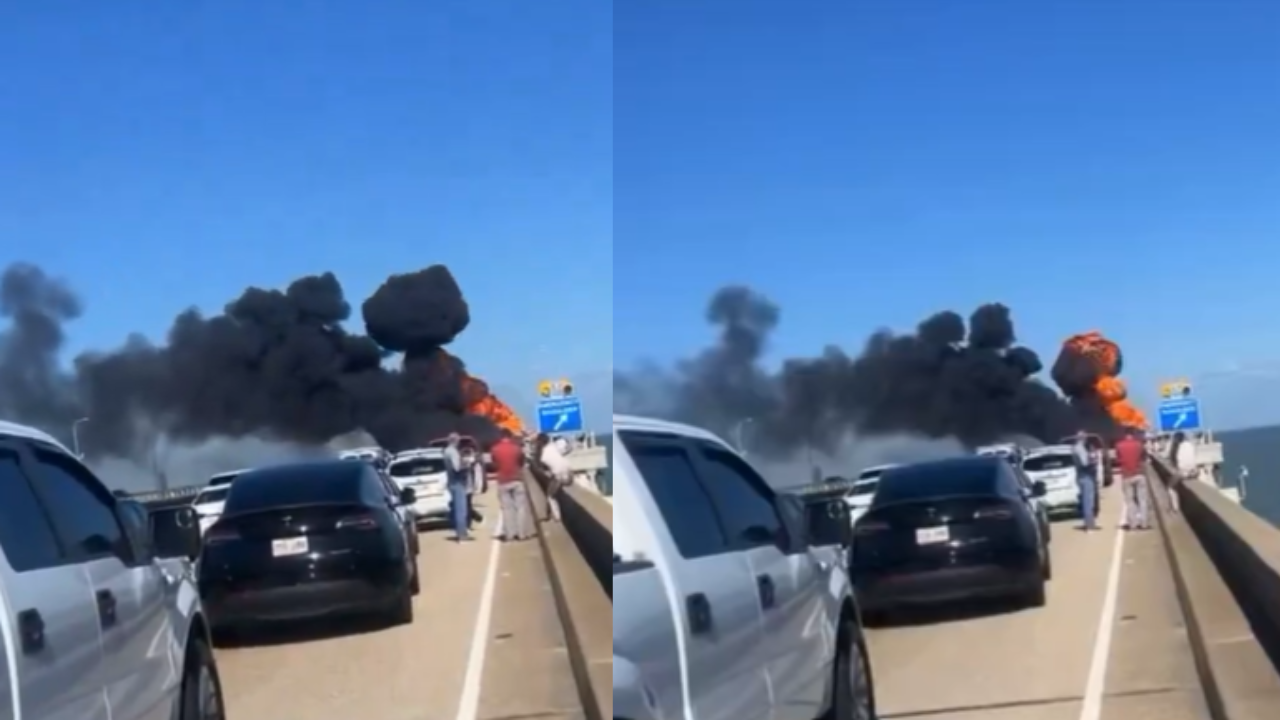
(1226, 564)
(584, 599)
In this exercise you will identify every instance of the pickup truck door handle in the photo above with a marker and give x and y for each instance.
(31, 630)
(764, 586)
(106, 608)
(698, 608)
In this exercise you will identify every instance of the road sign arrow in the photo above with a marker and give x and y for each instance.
(1181, 419)
(564, 418)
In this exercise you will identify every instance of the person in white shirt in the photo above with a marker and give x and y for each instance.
(557, 467)
(1184, 461)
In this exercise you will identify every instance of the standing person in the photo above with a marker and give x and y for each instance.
(1088, 482)
(475, 479)
(1185, 467)
(1130, 456)
(514, 520)
(457, 479)
(557, 468)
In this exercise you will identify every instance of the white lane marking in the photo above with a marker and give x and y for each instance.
(469, 702)
(1096, 685)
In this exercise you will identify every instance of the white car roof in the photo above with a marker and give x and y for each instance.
(644, 424)
(13, 429)
(1051, 450)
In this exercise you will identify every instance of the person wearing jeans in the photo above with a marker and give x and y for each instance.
(457, 482)
(1088, 483)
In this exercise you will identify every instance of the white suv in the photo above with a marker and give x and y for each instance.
(423, 471)
(92, 625)
(730, 608)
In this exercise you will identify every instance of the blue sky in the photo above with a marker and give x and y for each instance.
(161, 155)
(1093, 165)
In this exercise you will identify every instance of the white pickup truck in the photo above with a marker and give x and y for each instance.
(729, 602)
(93, 626)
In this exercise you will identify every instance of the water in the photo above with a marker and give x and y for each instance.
(1259, 450)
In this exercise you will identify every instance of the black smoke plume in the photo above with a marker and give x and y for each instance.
(968, 381)
(274, 364)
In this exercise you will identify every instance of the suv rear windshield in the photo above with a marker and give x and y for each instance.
(291, 485)
(416, 466)
(1042, 463)
(968, 476)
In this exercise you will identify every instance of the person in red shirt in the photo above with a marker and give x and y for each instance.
(1131, 458)
(515, 522)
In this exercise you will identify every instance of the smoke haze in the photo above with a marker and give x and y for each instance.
(948, 385)
(275, 367)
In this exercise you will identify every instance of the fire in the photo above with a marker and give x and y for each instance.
(1110, 389)
(480, 401)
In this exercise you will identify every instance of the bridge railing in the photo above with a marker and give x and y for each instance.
(576, 550)
(1226, 563)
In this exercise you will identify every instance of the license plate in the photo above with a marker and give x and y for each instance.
(933, 535)
(289, 546)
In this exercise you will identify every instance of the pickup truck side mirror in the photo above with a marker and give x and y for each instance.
(830, 523)
(137, 528)
(408, 496)
(190, 541)
(1038, 489)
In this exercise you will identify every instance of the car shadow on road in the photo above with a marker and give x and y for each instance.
(300, 632)
(943, 613)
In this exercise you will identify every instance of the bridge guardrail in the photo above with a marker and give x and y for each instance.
(574, 549)
(1226, 563)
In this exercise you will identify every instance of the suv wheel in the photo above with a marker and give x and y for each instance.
(201, 685)
(852, 697)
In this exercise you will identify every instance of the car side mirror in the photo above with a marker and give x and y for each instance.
(408, 496)
(830, 523)
(137, 527)
(1038, 489)
(189, 539)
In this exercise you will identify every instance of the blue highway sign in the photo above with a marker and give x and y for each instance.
(1179, 414)
(560, 415)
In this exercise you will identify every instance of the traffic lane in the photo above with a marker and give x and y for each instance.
(527, 673)
(412, 672)
(1005, 663)
(1151, 673)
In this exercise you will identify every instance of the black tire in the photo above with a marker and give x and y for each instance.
(201, 697)
(402, 609)
(1038, 595)
(852, 695)
(415, 582)
(1046, 569)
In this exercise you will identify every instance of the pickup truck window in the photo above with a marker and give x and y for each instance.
(25, 533)
(82, 508)
(742, 497)
(686, 508)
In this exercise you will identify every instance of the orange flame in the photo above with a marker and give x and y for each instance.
(1111, 389)
(480, 401)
